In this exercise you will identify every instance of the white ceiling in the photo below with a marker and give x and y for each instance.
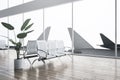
(33, 5)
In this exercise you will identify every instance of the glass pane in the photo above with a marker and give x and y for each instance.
(3, 4)
(3, 30)
(15, 3)
(59, 19)
(118, 39)
(25, 1)
(15, 21)
(36, 18)
(118, 27)
(95, 26)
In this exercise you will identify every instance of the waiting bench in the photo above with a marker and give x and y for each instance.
(44, 50)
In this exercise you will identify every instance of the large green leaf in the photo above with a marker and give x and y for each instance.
(28, 26)
(25, 24)
(22, 35)
(7, 25)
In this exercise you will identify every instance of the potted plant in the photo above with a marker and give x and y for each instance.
(24, 32)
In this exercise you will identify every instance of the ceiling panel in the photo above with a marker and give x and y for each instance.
(33, 5)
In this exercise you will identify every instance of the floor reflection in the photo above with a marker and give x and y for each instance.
(43, 72)
(63, 68)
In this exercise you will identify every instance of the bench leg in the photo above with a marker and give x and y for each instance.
(34, 61)
(29, 61)
(40, 58)
(43, 61)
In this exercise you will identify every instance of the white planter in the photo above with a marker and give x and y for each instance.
(19, 63)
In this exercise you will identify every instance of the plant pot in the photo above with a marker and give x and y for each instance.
(19, 63)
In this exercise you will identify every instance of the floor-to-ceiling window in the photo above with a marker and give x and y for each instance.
(92, 18)
(15, 20)
(118, 25)
(37, 19)
(25, 1)
(59, 19)
(3, 31)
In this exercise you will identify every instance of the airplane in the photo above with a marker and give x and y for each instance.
(47, 31)
(81, 46)
(107, 43)
(79, 42)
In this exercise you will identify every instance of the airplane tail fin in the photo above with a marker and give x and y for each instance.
(47, 30)
(79, 41)
(105, 40)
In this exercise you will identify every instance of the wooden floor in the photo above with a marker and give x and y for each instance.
(63, 68)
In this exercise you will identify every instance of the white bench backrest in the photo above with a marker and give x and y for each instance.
(39, 46)
(31, 47)
(42, 46)
(60, 46)
(51, 44)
